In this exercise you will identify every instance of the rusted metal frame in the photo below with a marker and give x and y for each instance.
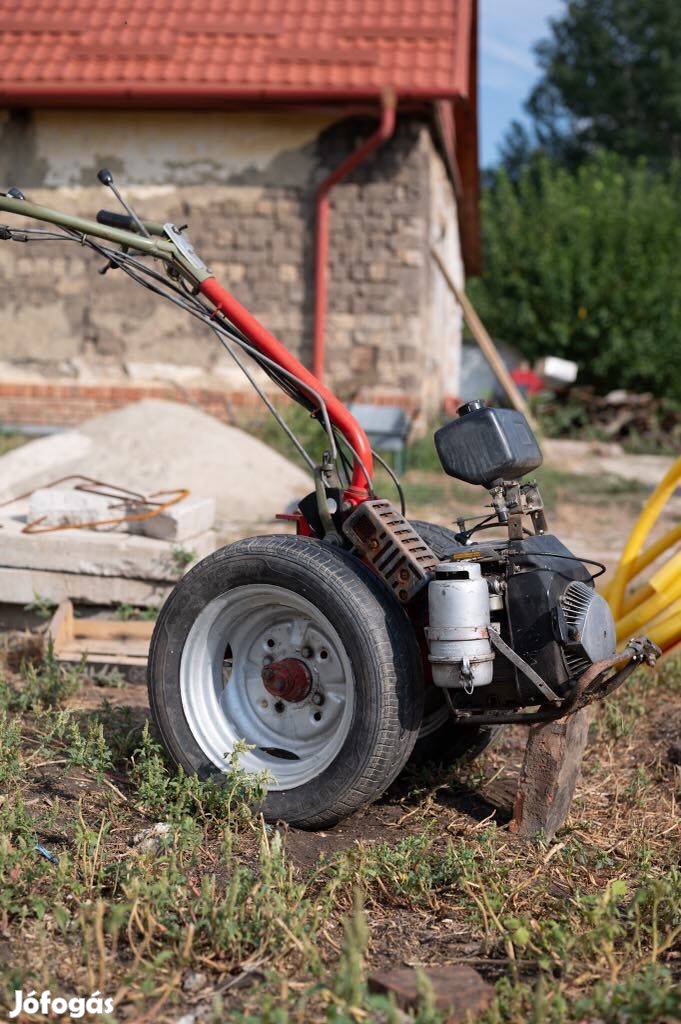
(591, 686)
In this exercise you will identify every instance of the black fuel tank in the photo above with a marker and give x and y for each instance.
(485, 445)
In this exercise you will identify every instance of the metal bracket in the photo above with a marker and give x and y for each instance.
(523, 667)
(594, 685)
(185, 249)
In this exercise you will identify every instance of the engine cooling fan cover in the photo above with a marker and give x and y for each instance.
(590, 627)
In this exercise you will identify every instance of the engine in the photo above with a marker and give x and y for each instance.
(510, 623)
(525, 610)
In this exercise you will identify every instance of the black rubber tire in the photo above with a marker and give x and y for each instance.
(448, 743)
(379, 641)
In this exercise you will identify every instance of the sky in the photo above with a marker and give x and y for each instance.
(508, 70)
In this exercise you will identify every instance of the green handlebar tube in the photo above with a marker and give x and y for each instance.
(162, 248)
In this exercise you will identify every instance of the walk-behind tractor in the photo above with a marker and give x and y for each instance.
(333, 656)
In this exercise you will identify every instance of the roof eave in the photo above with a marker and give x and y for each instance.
(192, 96)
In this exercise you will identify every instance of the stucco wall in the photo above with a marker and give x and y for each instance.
(245, 184)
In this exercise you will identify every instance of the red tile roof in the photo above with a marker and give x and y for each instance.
(179, 52)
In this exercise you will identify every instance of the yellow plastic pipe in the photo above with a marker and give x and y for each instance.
(667, 540)
(667, 613)
(632, 549)
(636, 619)
(666, 633)
(658, 582)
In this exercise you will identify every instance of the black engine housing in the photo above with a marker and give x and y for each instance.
(539, 570)
(536, 571)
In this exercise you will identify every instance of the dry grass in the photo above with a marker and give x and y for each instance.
(228, 920)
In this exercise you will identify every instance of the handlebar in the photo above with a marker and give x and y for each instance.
(125, 223)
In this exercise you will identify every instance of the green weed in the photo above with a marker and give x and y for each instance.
(126, 612)
(181, 557)
(43, 607)
(11, 766)
(47, 684)
(171, 794)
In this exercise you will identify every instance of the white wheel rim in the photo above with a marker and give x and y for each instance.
(226, 702)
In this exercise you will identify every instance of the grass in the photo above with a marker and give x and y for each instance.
(586, 928)
(8, 441)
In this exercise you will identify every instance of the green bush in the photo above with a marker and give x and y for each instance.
(587, 266)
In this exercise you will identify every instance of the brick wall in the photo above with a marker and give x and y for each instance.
(65, 403)
(390, 333)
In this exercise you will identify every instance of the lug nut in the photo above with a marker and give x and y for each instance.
(317, 697)
(306, 652)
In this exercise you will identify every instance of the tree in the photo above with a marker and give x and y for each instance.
(587, 265)
(611, 79)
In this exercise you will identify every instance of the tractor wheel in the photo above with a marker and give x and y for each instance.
(440, 741)
(296, 648)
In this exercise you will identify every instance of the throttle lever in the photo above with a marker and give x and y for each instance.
(110, 265)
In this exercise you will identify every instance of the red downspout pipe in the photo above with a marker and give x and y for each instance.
(382, 133)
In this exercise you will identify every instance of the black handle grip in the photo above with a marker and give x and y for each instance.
(116, 220)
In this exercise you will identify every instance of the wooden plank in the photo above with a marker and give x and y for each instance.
(99, 641)
(548, 777)
(75, 655)
(61, 625)
(87, 645)
(109, 629)
(487, 346)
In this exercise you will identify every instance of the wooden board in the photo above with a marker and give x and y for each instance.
(548, 777)
(487, 346)
(99, 641)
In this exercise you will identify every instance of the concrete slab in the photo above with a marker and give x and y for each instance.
(22, 586)
(42, 461)
(96, 553)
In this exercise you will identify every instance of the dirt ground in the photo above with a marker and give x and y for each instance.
(220, 918)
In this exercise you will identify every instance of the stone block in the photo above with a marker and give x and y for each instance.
(64, 506)
(457, 989)
(181, 522)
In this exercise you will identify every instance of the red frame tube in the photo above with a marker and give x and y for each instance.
(382, 133)
(270, 346)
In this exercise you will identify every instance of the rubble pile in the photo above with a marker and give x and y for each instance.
(640, 422)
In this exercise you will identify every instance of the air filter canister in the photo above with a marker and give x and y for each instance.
(458, 633)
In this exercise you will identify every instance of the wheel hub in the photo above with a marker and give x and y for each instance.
(288, 679)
